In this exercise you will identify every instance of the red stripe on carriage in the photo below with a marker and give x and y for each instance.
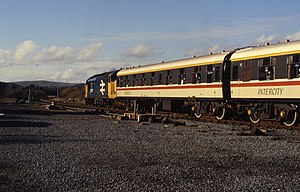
(243, 84)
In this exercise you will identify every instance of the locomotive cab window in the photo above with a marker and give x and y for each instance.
(265, 69)
(293, 66)
(113, 77)
(91, 87)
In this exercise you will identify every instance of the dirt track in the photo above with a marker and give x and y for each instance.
(62, 151)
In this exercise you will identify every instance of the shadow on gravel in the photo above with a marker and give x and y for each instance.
(36, 112)
(24, 124)
(11, 110)
(27, 139)
(38, 139)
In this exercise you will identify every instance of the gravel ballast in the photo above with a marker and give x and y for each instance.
(42, 150)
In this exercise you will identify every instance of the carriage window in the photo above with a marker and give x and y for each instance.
(296, 58)
(266, 71)
(143, 79)
(120, 82)
(169, 77)
(129, 80)
(217, 74)
(246, 71)
(293, 66)
(152, 81)
(181, 76)
(210, 67)
(134, 80)
(160, 78)
(209, 71)
(235, 73)
(196, 75)
(126, 81)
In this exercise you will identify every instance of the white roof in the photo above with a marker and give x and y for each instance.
(267, 51)
(189, 62)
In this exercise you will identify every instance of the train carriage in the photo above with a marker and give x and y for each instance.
(197, 77)
(267, 77)
(174, 84)
(252, 82)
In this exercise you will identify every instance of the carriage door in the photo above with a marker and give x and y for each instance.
(235, 79)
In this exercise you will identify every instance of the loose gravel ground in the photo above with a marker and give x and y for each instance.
(61, 151)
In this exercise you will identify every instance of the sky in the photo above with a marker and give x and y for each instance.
(69, 41)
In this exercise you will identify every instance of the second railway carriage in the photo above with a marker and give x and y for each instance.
(253, 82)
(174, 84)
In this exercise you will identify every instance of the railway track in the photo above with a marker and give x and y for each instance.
(171, 116)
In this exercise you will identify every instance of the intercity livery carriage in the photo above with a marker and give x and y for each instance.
(251, 83)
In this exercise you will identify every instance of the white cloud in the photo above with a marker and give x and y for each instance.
(214, 49)
(266, 39)
(90, 51)
(5, 54)
(69, 75)
(67, 55)
(55, 54)
(140, 51)
(28, 53)
(199, 52)
(24, 50)
(295, 36)
(192, 52)
(102, 66)
(32, 63)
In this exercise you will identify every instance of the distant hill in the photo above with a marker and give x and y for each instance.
(49, 84)
(42, 90)
(11, 90)
(75, 92)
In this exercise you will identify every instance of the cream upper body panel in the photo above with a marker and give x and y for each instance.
(267, 51)
(190, 62)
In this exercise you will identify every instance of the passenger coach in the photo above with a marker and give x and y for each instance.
(253, 82)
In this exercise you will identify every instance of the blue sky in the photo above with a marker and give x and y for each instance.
(71, 40)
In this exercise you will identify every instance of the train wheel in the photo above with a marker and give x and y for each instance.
(197, 111)
(291, 119)
(198, 114)
(254, 116)
(223, 113)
